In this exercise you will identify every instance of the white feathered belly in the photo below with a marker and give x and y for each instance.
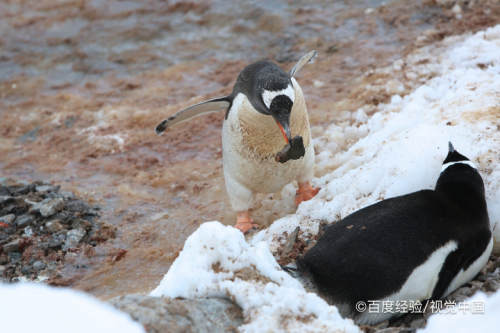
(250, 141)
(262, 174)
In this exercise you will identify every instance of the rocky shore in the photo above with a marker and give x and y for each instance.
(40, 225)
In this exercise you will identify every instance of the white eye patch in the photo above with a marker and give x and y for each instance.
(447, 165)
(268, 96)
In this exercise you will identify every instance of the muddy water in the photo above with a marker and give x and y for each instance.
(84, 83)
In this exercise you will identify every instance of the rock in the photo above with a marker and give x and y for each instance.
(52, 266)
(23, 221)
(481, 278)
(291, 240)
(26, 270)
(417, 323)
(382, 325)
(47, 188)
(14, 257)
(81, 223)
(64, 217)
(67, 194)
(5, 199)
(23, 190)
(491, 285)
(488, 268)
(73, 237)
(54, 226)
(460, 295)
(13, 246)
(28, 231)
(77, 206)
(162, 314)
(39, 265)
(8, 218)
(390, 330)
(49, 207)
(4, 191)
(57, 240)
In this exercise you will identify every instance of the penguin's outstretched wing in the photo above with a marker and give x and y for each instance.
(212, 105)
(307, 59)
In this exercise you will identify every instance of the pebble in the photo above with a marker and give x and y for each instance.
(26, 270)
(52, 266)
(73, 238)
(8, 218)
(417, 323)
(5, 199)
(28, 231)
(12, 246)
(23, 221)
(491, 285)
(4, 191)
(77, 206)
(47, 188)
(57, 240)
(54, 226)
(390, 330)
(39, 265)
(81, 223)
(14, 257)
(51, 206)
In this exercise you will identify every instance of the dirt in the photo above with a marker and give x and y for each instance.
(84, 83)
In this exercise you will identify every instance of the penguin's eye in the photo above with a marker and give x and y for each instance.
(268, 95)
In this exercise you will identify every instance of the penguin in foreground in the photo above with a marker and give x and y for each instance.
(414, 247)
(260, 155)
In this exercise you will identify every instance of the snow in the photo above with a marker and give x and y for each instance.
(477, 314)
(217, 261)
(453, 94)
(31, 308)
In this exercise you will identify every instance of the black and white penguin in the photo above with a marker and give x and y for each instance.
(414, 247)
(259, 153)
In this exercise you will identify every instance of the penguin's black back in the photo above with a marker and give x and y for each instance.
(370, 254)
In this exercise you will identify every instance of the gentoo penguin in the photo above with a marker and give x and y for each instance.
(264, 110)
(410, 248)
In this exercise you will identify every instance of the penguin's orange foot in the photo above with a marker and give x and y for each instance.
(4, 225)
(244, 222)
(305, 192)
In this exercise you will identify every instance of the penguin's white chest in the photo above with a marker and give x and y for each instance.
(250, 141)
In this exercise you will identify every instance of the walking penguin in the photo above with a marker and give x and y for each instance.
(410, 248)
(265, 109)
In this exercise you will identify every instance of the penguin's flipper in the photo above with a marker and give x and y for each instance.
(212, 105)
(307, 59)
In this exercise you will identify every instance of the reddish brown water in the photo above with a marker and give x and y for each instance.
(84, 83)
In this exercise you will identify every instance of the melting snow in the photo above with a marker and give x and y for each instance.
(454, 96)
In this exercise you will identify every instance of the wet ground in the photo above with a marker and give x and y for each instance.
(84, 83)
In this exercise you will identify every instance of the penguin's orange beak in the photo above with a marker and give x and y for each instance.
(284, 132)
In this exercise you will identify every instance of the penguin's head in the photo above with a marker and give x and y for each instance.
(270, 91)
(454, 158)
(459, 173)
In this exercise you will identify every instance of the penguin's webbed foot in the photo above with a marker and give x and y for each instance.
(245, 223)
(305, 192)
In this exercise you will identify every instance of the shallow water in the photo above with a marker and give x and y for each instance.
(84, 83)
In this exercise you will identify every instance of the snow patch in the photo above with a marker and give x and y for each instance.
(26, 308)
